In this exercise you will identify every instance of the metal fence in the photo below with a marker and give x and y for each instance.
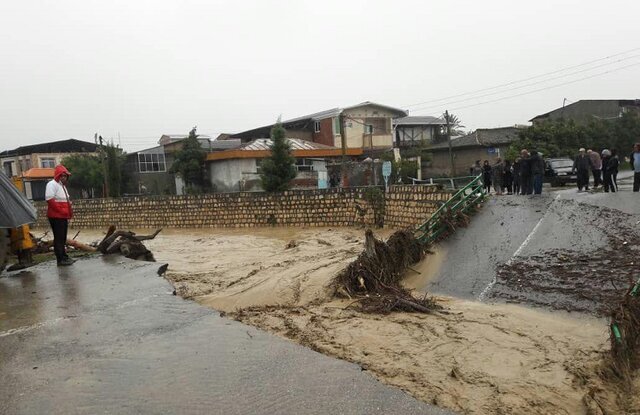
(447, 182)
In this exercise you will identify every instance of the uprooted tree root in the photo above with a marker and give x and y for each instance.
(624, 335)
(373, 279)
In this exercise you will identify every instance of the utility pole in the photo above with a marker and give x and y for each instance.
(451, 166)
(105, 168)
(343, 141)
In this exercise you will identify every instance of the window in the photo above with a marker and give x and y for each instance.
(151, 163)
(368, 129)
(316, 126)
(379, 125)
(336, 125)
(304, 165)
(47, 163)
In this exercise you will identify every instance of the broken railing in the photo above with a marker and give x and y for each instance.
(453, 212)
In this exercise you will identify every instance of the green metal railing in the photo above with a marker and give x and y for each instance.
(463, 201)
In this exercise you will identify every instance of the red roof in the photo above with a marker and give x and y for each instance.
(38, 173)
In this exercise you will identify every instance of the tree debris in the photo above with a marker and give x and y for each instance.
(127, 244)
(373, 279)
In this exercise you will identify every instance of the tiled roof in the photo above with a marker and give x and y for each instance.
(482, 137)
(38, 173)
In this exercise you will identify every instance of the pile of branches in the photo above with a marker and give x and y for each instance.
(373, 279)
(624, 333)
(127, 243)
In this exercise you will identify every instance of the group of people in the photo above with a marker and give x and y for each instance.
(524, 176)
(604, 168)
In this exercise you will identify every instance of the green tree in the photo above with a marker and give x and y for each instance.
(563, 138)
(189, 162)
(115, 159)
(86, 173)
(278, 171)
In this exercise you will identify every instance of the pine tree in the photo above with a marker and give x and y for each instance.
(278, 171)
(189, 161)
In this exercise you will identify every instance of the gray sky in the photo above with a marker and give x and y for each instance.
(69, 68)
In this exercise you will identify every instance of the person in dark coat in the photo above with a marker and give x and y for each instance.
(614, 172)
(608, 165)
(526, 179)
(537, 172)
(486, 176)
(516, 176)
(476, 169)
(508, 177)
(582, 165)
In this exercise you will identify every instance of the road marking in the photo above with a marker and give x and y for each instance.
(489, 286)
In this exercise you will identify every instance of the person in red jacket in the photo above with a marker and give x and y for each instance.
(59, 212)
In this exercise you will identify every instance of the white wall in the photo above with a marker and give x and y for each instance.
(226, 175)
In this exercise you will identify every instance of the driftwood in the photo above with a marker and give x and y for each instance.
(127, 244)
(373, 279)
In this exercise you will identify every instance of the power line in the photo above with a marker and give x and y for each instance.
(524, 79)
(529, 84)
(545, 88)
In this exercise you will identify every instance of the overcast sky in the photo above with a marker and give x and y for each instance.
(69, 68)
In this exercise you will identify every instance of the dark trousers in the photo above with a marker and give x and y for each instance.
(59, 228)
(527, 185)
(636, 181)
(583, 179)
(516, 185)
(537, 184)
(597, 181)
(607, 181)
(614, 175)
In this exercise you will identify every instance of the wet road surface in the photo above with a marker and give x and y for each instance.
(510, 228)
(107, 336)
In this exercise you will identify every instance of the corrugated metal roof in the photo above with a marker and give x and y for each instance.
(419, 120)
(295, 143)
(316, 116)
(374, 104)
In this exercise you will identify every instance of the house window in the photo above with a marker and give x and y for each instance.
(316, 126)
(151, 163)
(368, 129)
(47, 163)
(304, 165)
(336, 125)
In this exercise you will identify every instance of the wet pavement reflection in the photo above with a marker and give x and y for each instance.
(106, 336)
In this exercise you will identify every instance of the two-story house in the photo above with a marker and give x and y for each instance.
(367, 126)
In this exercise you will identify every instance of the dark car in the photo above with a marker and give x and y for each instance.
(559, 171)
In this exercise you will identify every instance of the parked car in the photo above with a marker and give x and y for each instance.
(559, 171)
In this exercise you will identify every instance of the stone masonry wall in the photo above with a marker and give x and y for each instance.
(403, 206)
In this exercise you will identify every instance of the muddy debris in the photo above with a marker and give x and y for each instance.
(373, 279)
(590, 281)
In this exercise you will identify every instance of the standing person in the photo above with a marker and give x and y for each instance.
(634, 159)
(537, 171)
(497, 176)
(614, 173)
(608, 164)
(508, 177)
(516, 176)
(486, 176)
(476, 169)
(525, 173)
(596, 167)
(582, 165)
(59, 212)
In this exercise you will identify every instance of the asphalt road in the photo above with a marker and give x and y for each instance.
(107, 336)
(512, 226)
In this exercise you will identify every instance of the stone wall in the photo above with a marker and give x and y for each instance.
(400, 207)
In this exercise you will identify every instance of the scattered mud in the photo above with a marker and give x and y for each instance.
(591, 281)
(469, 357)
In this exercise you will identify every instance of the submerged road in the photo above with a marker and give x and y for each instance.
(508, 227)
(106, 336)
